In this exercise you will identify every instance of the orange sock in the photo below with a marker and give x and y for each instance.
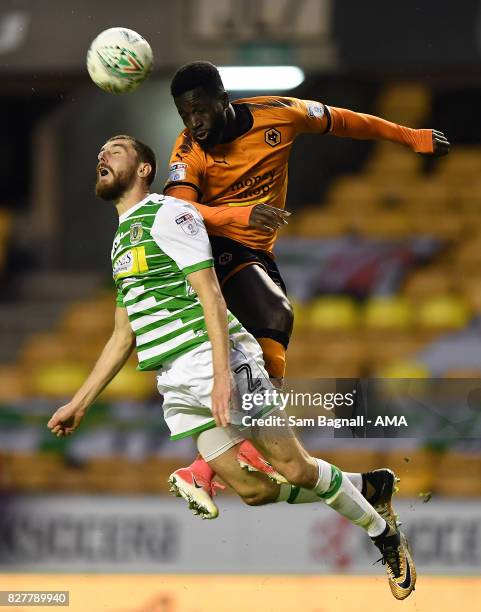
(274, 357)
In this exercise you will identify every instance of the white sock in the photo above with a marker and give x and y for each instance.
(343, 497)
(337, 491)
(296, 495)
(324, 479)
(355, 478)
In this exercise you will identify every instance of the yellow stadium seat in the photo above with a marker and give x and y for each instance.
(14, 384)
(93, 318)
(333, 313)
(35, 471)
(388, 313)
(321, 368)
(353, 193)
(465, 195)
(44, 347)
(394, 163)
(384, 226)
(404, 103)
(57, 380)
(428, 282)
(471, 289)
(416, 469)
(319, 223)
(348, 348)
(426, 195)
(386, 346)
(349, 460)
(131, 384)
(444, 312)
(394, 194)
(305, 353)
(468, 254)
(404, 369)
(459, 475)
(156, 470)
(306, 342)
(471, 220)
(325, 351)
(445, 226)
(301, 313)
(462, 164)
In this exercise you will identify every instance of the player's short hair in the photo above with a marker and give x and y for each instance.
(197, 74)
(144, 153)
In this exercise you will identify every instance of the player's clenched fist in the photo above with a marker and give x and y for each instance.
(441, 144)
(66, 420)
(268, 218)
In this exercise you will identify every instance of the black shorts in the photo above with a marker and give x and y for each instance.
(231, 256)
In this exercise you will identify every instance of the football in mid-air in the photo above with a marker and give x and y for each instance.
(119, 60)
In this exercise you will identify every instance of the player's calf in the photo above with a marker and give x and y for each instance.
(259, 493)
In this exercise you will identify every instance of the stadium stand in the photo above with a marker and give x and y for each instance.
(392, 200)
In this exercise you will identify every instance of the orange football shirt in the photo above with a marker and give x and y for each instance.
(251, 169)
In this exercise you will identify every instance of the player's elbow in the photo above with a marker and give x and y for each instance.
(124, 339)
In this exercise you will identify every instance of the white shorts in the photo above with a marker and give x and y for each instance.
(186, 384)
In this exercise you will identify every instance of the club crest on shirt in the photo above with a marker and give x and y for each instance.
(272, 137)
(136, 231)
(225, 258)
(188, 224)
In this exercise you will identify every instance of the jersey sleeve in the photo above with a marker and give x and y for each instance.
(214, 216)
(180, 232)
(309, 116)
(119, 300)
(220, 216)
(186, 165)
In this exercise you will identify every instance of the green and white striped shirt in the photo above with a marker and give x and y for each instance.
(159, 242)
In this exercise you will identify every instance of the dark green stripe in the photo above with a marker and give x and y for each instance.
(336, 481)
(157, 361)
(184, 317)
(173, 306)
(159, 294)
(196, 326)
(293, 495)
(208, 263)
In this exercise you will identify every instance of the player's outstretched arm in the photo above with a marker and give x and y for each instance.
(207, 288)
(259, 216)
(114, 355)
(347, 123)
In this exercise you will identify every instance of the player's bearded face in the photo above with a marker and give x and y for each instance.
(112, 184)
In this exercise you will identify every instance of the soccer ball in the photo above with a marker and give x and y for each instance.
(119, 60)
